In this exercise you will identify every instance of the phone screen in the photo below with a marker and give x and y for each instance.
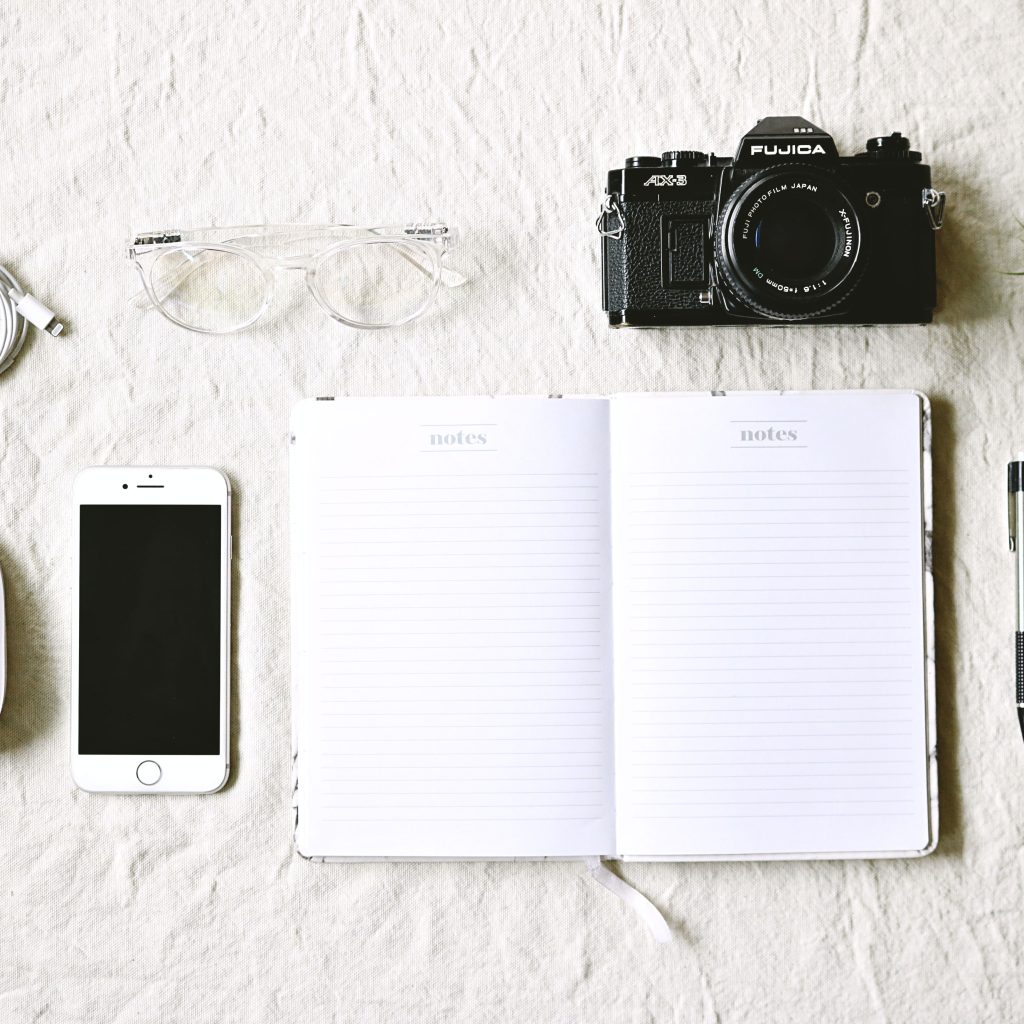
(149, 673)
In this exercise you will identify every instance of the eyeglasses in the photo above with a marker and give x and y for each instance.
(220, 280)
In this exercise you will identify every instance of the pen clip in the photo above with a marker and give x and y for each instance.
(1014, 485)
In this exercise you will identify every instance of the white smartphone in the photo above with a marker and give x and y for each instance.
(151, 630)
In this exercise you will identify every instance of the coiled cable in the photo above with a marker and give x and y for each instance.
(18, 309)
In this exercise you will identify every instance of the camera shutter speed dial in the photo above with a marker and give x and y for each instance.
(891, 147)
(683, 157)
(643, 161)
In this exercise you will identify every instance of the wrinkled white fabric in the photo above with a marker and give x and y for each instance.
(502, 117)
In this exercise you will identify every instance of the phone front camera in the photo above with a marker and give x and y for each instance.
(124, 486)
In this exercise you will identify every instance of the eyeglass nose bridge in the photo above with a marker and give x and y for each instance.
(294, 263)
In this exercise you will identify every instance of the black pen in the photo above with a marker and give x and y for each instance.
(1015, 489)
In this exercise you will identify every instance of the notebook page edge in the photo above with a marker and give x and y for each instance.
(931, 787)
(296, 428)
(306, 416)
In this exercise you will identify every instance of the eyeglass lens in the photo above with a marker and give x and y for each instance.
(209, 289)
(379, 283)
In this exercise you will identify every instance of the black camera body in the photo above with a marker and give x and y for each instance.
(787, 232)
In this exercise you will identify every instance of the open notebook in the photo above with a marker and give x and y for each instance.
(651, 626)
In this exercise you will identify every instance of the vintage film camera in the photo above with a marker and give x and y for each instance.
(787, 232)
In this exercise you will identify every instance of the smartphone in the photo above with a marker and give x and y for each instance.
(151, 630)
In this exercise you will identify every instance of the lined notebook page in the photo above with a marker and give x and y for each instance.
(451, 628)
(769, 647)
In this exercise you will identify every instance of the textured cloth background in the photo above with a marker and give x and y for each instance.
(503, 118)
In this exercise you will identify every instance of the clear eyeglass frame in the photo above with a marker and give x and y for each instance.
(261, 251)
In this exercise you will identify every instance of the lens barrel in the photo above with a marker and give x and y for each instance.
(788, 243)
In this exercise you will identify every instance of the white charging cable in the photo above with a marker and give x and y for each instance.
(17, 310)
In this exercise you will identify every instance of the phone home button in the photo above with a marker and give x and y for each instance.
(148, 773)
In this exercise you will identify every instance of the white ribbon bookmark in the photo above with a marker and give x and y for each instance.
(641, 905)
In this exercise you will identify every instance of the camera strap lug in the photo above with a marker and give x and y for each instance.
(707, 296)
(934, 204)
(610, 207)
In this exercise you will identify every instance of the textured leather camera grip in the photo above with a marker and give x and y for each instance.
(633, 266)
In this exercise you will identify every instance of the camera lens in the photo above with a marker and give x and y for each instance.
(789, 245)
(794, 239)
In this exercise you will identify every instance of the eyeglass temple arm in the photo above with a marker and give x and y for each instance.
(449, 278)
(452, 278)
